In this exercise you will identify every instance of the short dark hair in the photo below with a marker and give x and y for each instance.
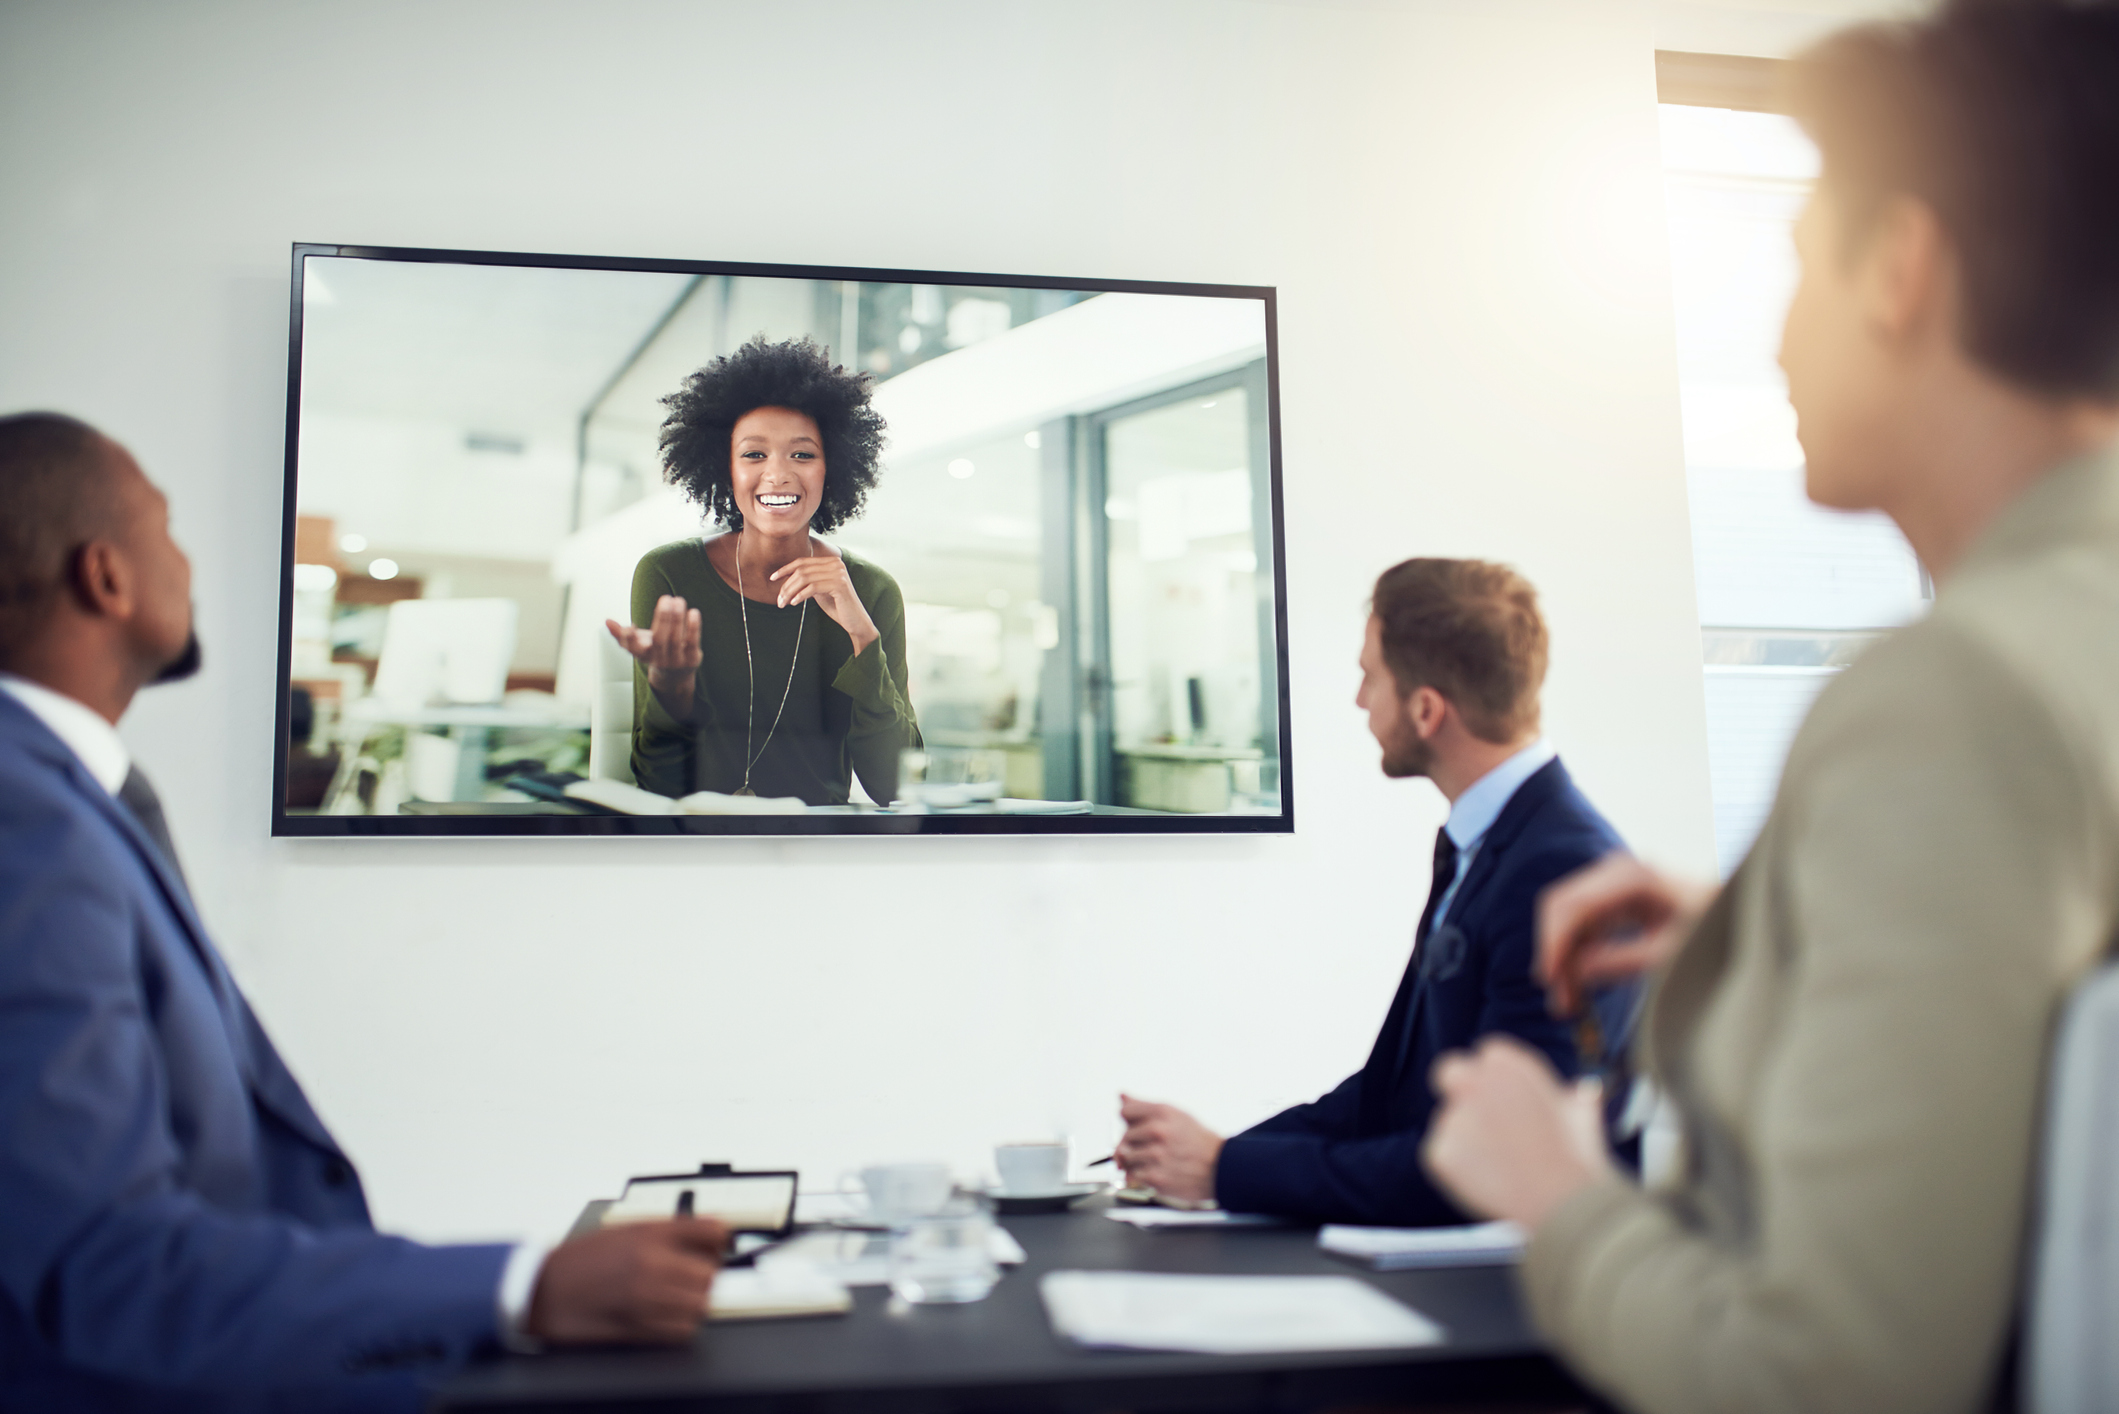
(1471, 631)
(797, 375)
(2003, 117)
(56, 494)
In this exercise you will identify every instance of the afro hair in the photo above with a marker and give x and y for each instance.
(797, 375)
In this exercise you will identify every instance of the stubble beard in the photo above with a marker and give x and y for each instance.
(1405, 754)
(185, 664)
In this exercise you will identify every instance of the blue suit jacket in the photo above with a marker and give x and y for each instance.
(178, 1231)
(1354, 1155)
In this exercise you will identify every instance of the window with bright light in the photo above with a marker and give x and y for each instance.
(1789, 592)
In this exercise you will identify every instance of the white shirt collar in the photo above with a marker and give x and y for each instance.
(80, 726)
(1476, 810)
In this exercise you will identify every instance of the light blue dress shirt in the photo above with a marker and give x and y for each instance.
(1477, 809)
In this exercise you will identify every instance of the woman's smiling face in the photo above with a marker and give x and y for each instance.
(776, 468)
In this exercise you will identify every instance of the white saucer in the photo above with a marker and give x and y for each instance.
(1052, 1201)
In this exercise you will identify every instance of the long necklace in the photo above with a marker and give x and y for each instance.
(751, 712)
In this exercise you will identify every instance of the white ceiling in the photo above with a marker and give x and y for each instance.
(516, 351)
(1773, 29)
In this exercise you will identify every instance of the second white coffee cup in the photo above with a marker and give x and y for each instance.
(1031, 1169)
(898, 1193)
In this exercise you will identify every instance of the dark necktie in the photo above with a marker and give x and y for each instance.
(139, 797)
(1408, 992)
(1445, 875)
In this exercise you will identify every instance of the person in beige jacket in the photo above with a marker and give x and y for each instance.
(1854, 1033)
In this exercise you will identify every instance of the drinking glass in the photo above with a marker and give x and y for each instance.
(945, 1257)
(952, 778)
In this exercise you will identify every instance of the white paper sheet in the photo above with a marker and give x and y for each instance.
(1402, 1248)
(1228, 1315)
(750, 1295)
(1182, 1217)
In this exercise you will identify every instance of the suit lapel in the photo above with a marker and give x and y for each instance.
(263, 1072)
(172, 889)
(1542, 785)
(1387, 1056)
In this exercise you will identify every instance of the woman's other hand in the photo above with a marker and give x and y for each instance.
(824, 579)
(668, 648)
(1615, 919)
(1510, 1140)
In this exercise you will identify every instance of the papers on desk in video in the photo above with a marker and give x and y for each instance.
(632, 800)
(1395, 1249)
(1228, 1315)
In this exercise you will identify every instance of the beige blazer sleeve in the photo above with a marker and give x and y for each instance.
(1855, 1039)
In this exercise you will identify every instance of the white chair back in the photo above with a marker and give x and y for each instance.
(2071, 1328)
(611, 714)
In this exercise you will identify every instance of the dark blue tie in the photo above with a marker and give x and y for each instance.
(1438, 888)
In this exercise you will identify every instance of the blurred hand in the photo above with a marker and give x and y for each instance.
(1510, 1141)
(1167, 1150)
(668, 648)
(636, 1283)
(824, 579)
(1615, 919)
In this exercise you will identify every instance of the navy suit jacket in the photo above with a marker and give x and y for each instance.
(1353, 1156)
(178, 1230)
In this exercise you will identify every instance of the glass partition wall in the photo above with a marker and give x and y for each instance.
(1189, 717)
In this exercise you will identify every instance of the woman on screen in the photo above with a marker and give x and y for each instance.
(767, 662)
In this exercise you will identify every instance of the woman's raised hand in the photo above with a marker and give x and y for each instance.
(668, 648)
(824, 579)
(1614, 919)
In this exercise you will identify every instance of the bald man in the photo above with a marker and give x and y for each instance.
(178, 1229)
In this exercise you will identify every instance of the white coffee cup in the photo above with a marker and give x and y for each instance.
(1031, 1169)
(898, 1193)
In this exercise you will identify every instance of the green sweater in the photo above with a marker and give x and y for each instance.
(843, 714)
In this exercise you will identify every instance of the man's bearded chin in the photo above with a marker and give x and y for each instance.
(184, 664)
(1407, 755)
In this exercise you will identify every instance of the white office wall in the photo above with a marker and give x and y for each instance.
(1459, 202)
(1769, 29)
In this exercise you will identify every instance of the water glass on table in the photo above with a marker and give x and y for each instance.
(950, 778)
(946, 1256)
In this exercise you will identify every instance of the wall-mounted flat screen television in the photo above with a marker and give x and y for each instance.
(618, 546)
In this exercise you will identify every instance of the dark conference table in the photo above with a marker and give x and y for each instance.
(1001, 1353)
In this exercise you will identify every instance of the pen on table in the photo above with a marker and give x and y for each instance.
(1099, 1163)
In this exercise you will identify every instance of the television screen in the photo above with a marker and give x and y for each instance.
(580, 545)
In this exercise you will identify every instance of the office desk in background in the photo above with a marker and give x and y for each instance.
(1000, 1353)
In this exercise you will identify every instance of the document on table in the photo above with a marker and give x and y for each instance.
(1393, 1249)
(1188, 1217)
(1228, 1315)
(756, 1295)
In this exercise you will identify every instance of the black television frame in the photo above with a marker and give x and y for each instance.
(474, 825)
